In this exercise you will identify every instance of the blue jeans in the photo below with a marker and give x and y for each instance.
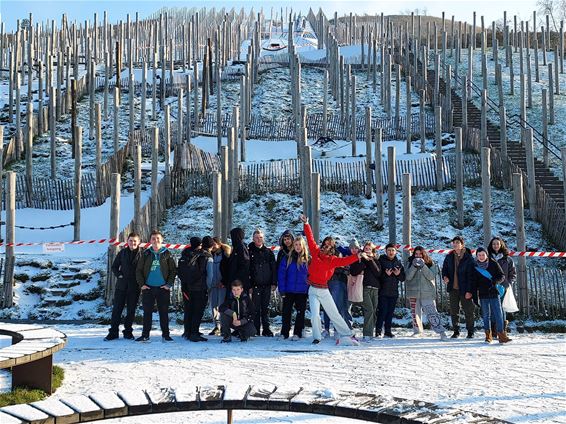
(385, 309)
(339, 292)
(491, 309)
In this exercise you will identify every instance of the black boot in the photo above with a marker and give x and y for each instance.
(456, 333)
(470, 334)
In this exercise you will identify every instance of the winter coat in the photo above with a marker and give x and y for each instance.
(322, 266)
(485, 286)
(371, 269)
(195, 270)
(389, 284)
(217, 259)
(292, 278)
(420, 282)
(242, 305)
(124, 268)
(465, 269)
(166, 264)
(283, 252)
(238, 266)
(509, 272)
(262, 266)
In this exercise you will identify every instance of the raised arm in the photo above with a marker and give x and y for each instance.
(313, 247)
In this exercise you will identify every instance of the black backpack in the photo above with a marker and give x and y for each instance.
(192, 272)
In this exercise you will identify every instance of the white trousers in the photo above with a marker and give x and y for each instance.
(323, 297)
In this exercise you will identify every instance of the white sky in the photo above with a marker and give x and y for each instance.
(11, 10)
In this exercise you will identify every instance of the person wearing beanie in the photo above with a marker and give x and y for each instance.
(486, 276)
(195, 271)
(456, 270)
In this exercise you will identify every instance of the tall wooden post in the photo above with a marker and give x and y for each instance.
(77, 183)
(315, 204)
(459, 178)
(486, 193)
(521, 242)
(378, 177)
(531, 185)
(114, 234)
(217, 204)
(368, 133)
(98, 127)
(391, 213)
(116, 122)
(563, 156)
(226, 195)
(408, 127)
(10, 239)
(438, 144)
(407, 208)
(29, 154)
(154, 174)
(137, 186)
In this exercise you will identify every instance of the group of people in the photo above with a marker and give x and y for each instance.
(237, 283)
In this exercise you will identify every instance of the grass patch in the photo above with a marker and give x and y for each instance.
(27, 395)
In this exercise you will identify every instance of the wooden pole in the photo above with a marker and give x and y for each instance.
(563, 155)
(10, 207)
(29, 154)
(521, 242)
(438, 144)
(315, 204)
(154, 175)
(114, 234)
(217, 202)
(545, 127)
(378, 178)
(137, 186)
(116, 122)
(368, 133)
(98, 127)
(531, 185)
(407, 210)
(77, 183)
(391, 214)
(167, 156)
(409, 135)
(486, 193)
(459, 178)
(226, 197)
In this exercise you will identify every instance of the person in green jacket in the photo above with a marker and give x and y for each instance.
(420, 286)
(155, 274)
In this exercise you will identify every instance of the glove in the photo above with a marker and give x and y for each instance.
(418, 262)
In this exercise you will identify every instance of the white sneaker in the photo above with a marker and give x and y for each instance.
(325, 334)
(417, 334)
(347, 341)
(295, 338)
(443, 336)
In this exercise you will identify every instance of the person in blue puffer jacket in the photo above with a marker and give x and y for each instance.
(292, 284)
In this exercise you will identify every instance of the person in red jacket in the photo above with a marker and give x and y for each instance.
(321, 268)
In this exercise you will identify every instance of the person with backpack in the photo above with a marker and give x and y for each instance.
(196, 271)
(217, 289)
(321, 267)
(485, 277)
(292, 284)
(371, 269)
(420, 289)
(237, 313)
(392, 273)
(456, 271)
(155, 274)
(238, 264)
(498, 251)
(263, 281)
(127, 292)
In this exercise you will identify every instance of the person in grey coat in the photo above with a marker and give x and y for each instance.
(420, 286)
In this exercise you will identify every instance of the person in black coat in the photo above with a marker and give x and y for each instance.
(392, 272)
(238, 264)
(263, 280)
(195, 270)
(456, 274)
(237, 313)
(127, 291)
(486, 277)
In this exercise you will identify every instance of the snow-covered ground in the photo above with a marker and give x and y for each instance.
(519, 382)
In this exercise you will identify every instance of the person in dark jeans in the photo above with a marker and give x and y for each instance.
(263, 281)
(237, 313)
(155, 275)
(457, 271)
(127, 292)
(392, 273)
(195, 270)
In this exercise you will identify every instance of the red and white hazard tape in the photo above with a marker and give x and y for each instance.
(180, 246)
